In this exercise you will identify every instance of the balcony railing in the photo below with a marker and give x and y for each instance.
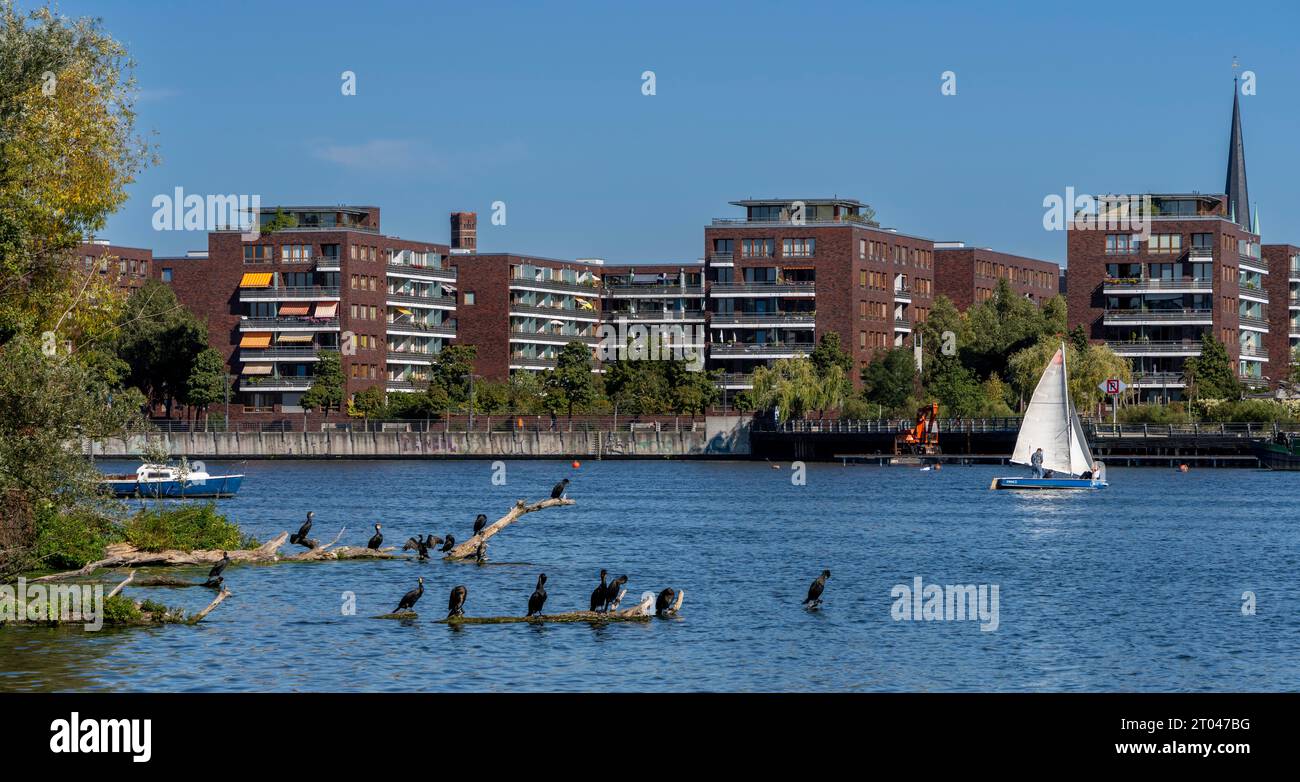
(272, 324)
(280, 354)
(1137, 316)
(582, 289)
(653, 316)
(1251, 320)
(722, 258)
(1158, 284)
(902, 292)
(406, 385)
(421, 301)
(755, 350)
(1251, 351)
(1189, 348)
(444, 329)
(736, 380)
(1159, 379)
(328, 263)
(554, 312)
(779, 318)
(524, 361)
(301, 293)
(543, 336)
(763, 289)
(275, 383)
(446, 274)
(654, 290)
(902, 324)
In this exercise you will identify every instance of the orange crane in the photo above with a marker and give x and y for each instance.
(922, 439)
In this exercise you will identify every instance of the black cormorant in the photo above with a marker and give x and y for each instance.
(220, 566)
(558, 491)
(664, 601)
(376, 540)
(456, 603)
(449, 544)
(408, 599)
(480, 522)
(611, 592)
(598, 596)
(538, 598)
(301, 535)
(480, 553)
(814, 598)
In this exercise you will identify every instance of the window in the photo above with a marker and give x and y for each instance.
(724, 246)
(1121, 244)
(166, 275)
(1165, 244)
(757, 248)
(258, 253)
(798, 248)
(469, 298)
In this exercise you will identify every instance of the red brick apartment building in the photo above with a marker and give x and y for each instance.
(1150, 299)
(792, 270)
(969, 275)
(127, 267)
(1283, 285)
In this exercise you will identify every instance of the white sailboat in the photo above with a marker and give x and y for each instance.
(1052, 424)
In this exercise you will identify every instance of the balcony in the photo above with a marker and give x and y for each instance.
(903, 293)
(903, 324)
(446, 329)
(524, 362)
(770, 319)
(1123, 285)
(424, 273)
(760, 351)
(328, 263)
(562, 313)
(408, 386)
(289, 324)
(275, 383)
(761, 289)
(416, 300)
(416, 357)
(551, 286)
(1200, 253)
(303, 293)
(1253, 323)
(280, 354)
(546, 338)
(1159, 380)
(1294, 274)
(722, 259)
(736, 381)
(654, 316)
(1184, 317)
(653, 291)
(1252, 352)
(1149, 348)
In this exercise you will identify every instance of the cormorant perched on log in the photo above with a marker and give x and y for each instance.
(558, 491)
(220, 566)
(598, 595)
(214, 583)
(449, 544)
(456, 603)
(419, 544)
(538, 598)
(414, 543)
(664, 601)
(408, 599)
(480, 522)
(480, 554)
(611, 592)
(301, 535)
(376, 540)
(814, 598)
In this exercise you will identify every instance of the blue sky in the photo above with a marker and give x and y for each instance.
(539, 105)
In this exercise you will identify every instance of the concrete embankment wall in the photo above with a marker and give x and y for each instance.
(715, 437)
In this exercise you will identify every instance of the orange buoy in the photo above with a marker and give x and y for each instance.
(576, 464)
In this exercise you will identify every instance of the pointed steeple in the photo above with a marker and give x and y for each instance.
(1235, 189)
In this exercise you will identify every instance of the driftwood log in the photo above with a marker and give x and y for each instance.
(469, 548)
(147, 618)
(641, 612)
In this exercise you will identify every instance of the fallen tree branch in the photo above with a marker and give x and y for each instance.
(467, 549)
(193, 620)
(641, 612)
(121, 586)
(127, 555)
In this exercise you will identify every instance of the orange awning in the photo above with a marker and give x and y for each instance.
(256, 280)
(294, 309)
(256, 339)
(293, 339)
(327, 309)
(256, 369)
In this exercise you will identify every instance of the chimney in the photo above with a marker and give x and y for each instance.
(464, 232)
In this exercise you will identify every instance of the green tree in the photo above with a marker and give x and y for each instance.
(1087, 369)
(890, 380)
(790, 386)
(689, 391)
(327, 384)
(1210, 375)
(278, 222)
(368, 403)
(159, 339)
(451, 370)
(207, 382)
(571, 379)
(638, 387)
(830, 353)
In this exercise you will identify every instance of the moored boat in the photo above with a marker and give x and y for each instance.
(164, 481)
(1282, 453)
(1052, 424)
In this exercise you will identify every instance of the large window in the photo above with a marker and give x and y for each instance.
(258, 253)
(1121, 244)
(798, 248)
(1165, 243)
(757, 248)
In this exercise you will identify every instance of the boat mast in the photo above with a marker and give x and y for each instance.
(1065, 400)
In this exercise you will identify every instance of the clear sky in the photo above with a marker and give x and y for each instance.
(540, 105)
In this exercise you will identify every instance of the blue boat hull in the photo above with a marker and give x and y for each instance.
(1047, 484)
(216, 487)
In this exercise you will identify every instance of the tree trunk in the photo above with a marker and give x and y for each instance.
(467, 549)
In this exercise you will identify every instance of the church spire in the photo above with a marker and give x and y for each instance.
(1235, 189)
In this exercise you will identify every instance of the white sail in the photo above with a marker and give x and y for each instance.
(1051, 424)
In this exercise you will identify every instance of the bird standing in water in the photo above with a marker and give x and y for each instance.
(408, 599)
(538, 598)
(598, 595)
(301, 535)
(814, 598)
(664, 602)
(220, 566)
(456, 603)
(557, 492)
(480, 522)
(376, 540)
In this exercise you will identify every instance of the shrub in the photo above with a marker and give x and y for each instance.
(185, 528)
(1173, 413)
(71, 538)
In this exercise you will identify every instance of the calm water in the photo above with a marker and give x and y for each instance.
(1134, 588)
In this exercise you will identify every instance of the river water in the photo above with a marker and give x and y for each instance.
(1138, 587)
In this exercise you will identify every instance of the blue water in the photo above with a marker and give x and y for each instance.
(1137, 587)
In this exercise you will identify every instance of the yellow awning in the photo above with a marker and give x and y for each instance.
(294, 309)
(256, 280)
(256, 369)
(293, 339)
(586, 305)
(256, 340)
(403, 311)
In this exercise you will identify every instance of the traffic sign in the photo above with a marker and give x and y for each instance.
(1112, 386)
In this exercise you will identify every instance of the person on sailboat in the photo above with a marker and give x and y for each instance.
(1036, 461)
(1098, 472)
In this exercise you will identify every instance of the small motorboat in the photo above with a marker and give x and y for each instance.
(1281, 453)
(166, 481)
(1051, 423)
